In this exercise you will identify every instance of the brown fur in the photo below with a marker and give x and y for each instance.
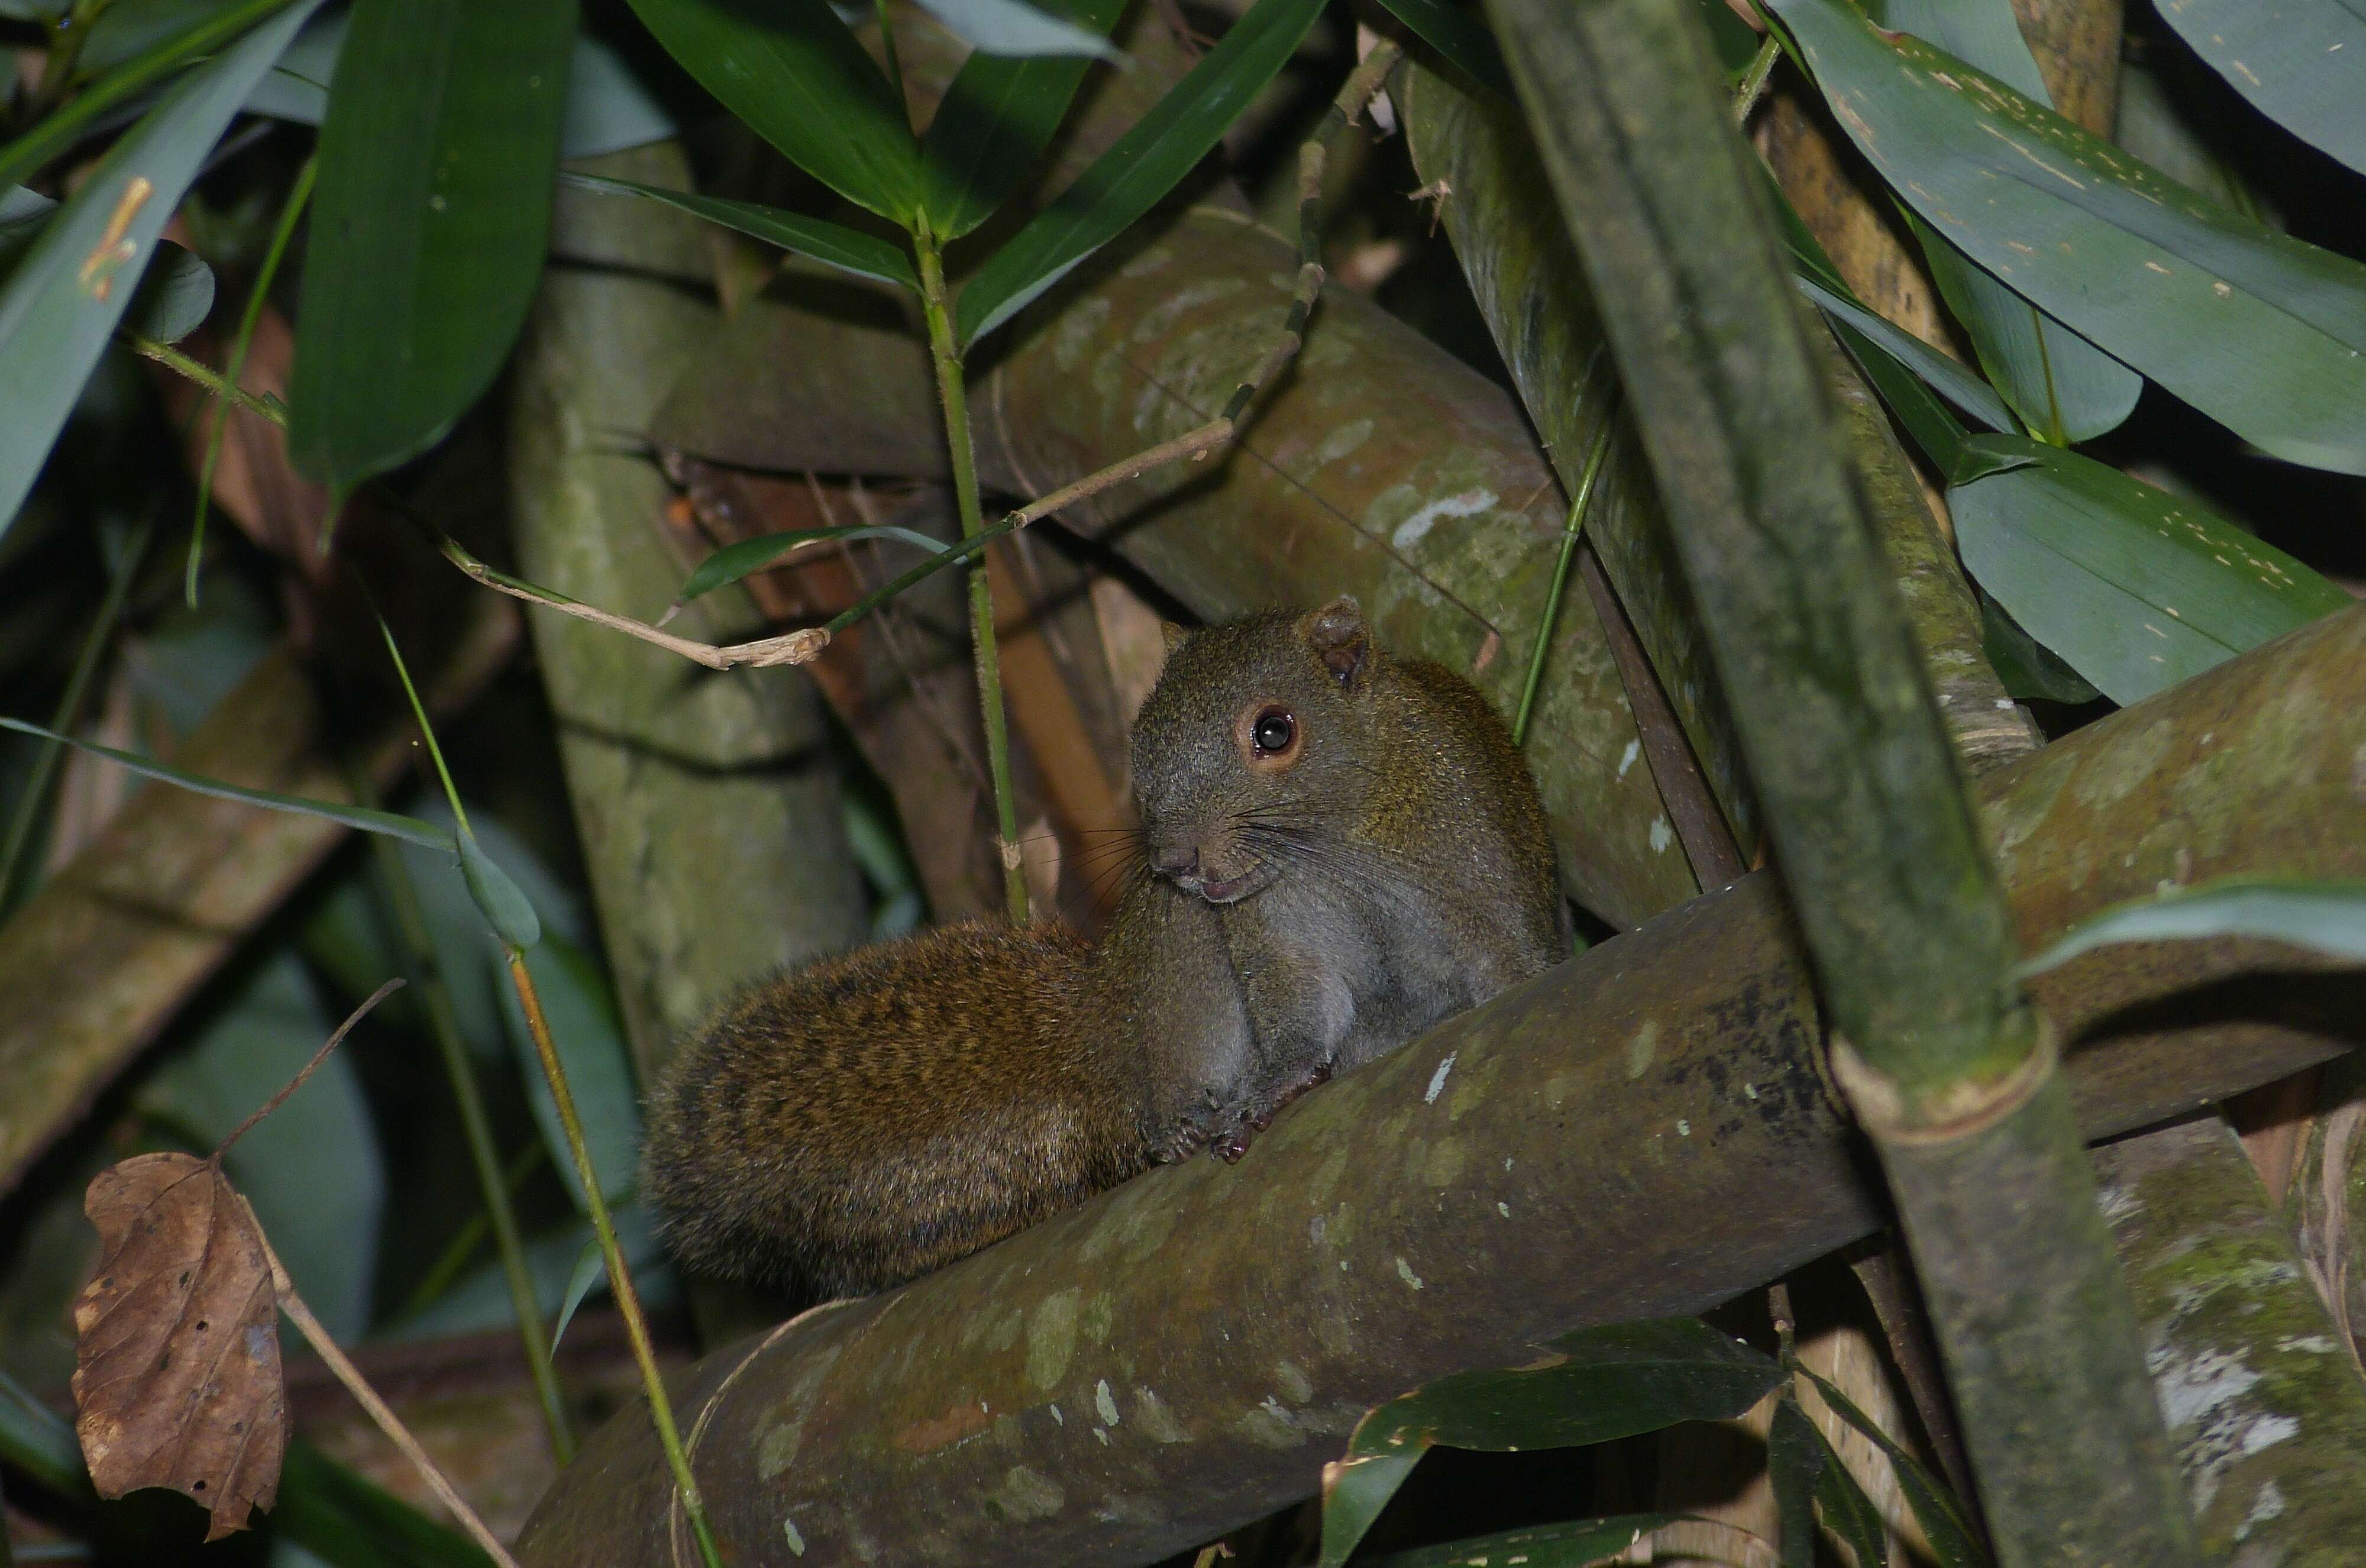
(854, 1124)
(750, 1158)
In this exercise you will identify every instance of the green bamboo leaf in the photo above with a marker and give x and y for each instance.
(2063, 387)
(2327, 917)
(1906, 396)
(1589, 1387)
(88, 109)
(740, 559)
(832, 245)
(2136, 588)
(1145, 164)
(507, 909)
(2261, 332)
(1354, 1489)
(61, 304)
(172, 302)
(607, 108)
(1846, 1511)
(997, 117)
(797, 75)
(590, 1267)
(1015, 29)
(1813, 272)
(1578, 1544)
(411, 830)
(1935, 1509)
(430, 224)
(1794, 1463)
(1966, 391)
(2296, 63)
(2027, 667)
(1460, 33)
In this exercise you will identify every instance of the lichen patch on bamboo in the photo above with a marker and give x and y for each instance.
(1027, 1495)
(1052, 1338)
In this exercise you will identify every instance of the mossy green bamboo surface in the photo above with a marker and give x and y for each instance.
(2264, 1401)
(706, 802)
(1643, 1131)
(1944, 1064)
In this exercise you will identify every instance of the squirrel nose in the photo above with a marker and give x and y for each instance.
(1179, 862)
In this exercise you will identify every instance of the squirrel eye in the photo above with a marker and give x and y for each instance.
(1274, 731)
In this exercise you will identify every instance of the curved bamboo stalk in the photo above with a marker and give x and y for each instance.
(1649, 1117)
(1941, 1060)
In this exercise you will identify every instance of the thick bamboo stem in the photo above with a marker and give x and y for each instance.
(1901, 909)
(1650, 1114)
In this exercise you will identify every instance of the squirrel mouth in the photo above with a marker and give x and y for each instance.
(1228, 889)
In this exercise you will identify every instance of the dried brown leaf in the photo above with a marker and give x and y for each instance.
(177, 1375)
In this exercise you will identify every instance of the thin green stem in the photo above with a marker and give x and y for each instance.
(462, 1248)
(64, 53)
(22, 158)
(180, 363)
(426, 730)
(300, 193)
(1754, 74)
(1579, 505)
(955, 398)
(410, 923)
(93, 647)
(620, 1277)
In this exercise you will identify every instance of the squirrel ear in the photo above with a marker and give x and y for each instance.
(1172, 633)
(1340, 637)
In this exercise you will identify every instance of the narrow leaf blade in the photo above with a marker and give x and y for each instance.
(1846, 1511)
(590, 1270)
(1935, 1509)
(2264, 333)
(1142, 167)
(1592, 1386)
(995, 121)
(505, 906)
(1354, 1489)
(796, 74)
(411, 830)
(832, 245)
(60, 305)
(1460, 33)
(1794, 1462)
(430, 223)
(2135, 588)
(746, 557)
(2327, 916)
(2296, 63)
(2062, 386)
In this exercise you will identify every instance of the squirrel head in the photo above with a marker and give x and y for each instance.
(1254, 752)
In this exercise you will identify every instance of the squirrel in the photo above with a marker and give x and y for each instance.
(1338, 850)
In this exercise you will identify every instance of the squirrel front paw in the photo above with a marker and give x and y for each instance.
(1187, 1138)
(1258, 1115)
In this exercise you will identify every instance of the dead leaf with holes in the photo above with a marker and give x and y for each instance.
(177, 1376)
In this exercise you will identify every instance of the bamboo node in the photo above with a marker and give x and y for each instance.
(1961, 1111)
